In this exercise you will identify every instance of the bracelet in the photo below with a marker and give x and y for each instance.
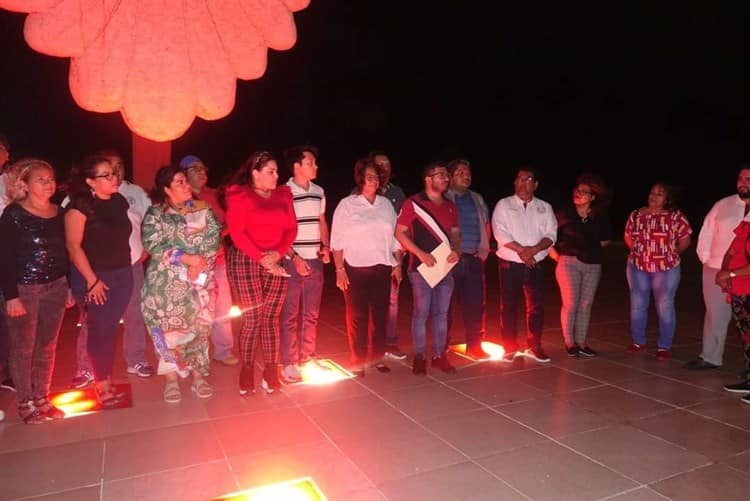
(90, 288)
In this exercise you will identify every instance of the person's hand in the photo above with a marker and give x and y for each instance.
(70, 300)
(427, 258)
(97, 293)
(453, 257)
(278, 271)
(342, 279)
(723, 280)
(526, 254)
(14, 307)
(195, 261)
(397, 274)
(269, 259)
(325, 255)
(302, 266)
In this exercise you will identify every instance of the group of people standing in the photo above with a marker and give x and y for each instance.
(263, 246)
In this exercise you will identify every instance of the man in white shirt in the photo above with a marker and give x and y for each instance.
(310, 250)
(525, 227)
(714, 239)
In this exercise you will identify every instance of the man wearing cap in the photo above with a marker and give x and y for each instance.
(221, 331)
(310, 250)
(468, 274)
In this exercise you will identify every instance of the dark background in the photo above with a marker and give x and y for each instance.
(632, 90)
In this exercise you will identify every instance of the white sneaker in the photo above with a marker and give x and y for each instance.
(290, 374)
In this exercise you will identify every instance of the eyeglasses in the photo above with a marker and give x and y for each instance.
(527, 179)
(582, 192)
(108, 176)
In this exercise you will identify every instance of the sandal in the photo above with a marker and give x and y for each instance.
(109, 399)
(202, 389)
(45, 407)
(30, 414)
(172, 393)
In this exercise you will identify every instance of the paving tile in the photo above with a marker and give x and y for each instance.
(603, 370)
(194, 483)
(613, 403)
(355, 417)
(740, 462)
(634, 453)
(641, 494)
(494, 390)
(16, 436)
(553, 417)
(728, 410)
(163, 449)
(716, 481)
(51, 469)
(554, 380)
(482, 432)
(696, 433)
(464, 481)
(92, 493)
(669, 391)
(429, 401)
(384, 455)
(550, 471)
(331, 470)
(312, 394)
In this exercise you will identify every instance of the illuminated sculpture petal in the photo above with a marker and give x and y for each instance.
(160, 63)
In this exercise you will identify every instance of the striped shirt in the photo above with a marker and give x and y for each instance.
(309, 204)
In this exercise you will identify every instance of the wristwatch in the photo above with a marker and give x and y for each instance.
(732, 274)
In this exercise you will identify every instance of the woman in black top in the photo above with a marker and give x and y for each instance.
(583, 228)
(33, 268)
(97, 232)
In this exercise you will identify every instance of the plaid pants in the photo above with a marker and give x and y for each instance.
(261, 296)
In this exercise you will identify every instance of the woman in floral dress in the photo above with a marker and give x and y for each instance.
(182, 236)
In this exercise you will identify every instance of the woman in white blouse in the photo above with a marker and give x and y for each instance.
(367, 258)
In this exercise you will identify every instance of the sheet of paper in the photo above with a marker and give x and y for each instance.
(434, 274)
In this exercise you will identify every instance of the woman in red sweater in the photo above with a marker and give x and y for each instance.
(262, 226)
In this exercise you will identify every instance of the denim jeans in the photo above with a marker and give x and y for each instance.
(102, 320)
(514, 278)
(664, 285)
(134, 331)
(299, 315)
(432, 303)
(469, 290)
(222, 337)
(33, 337)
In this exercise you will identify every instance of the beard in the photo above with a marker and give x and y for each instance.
(744, 193)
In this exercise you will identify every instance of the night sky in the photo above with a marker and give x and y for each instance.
(632, 90)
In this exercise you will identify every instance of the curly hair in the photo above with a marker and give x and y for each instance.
(18, 176)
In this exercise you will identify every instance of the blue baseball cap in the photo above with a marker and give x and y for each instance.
(189, 160)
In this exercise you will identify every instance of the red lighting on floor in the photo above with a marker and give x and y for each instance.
(495, 351)
(323, 371)
(300, 489)
(76, 403)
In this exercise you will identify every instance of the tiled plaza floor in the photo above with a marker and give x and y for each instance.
(615, 427)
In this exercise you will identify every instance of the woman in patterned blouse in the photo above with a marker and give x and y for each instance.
(656, 235)
(182, 237)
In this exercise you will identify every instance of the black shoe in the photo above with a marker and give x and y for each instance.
(573, 351)
(443, 364)
(699, 365)
(247, 383)
(392, 351)
(743, 387)
(537, 354)
(8, 384)
(382, 368)
(588, 352)
(419, 366)
(271, 381)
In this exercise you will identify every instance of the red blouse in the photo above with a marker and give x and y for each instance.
(740, 248)
(258, 225)
(655, 238)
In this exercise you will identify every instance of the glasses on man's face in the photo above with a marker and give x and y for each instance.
(108, 176)
(372, 179)
(581, 192)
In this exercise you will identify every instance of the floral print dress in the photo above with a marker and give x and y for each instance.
(179, 312)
